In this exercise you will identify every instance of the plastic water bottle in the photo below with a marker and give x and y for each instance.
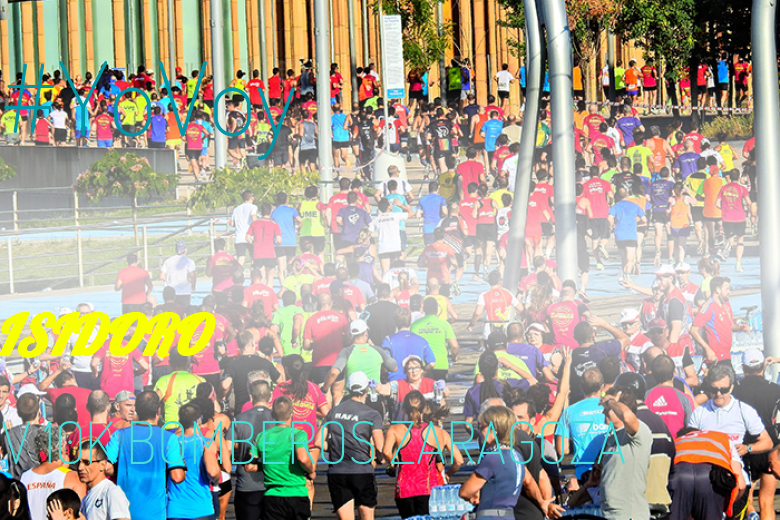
(372, 389)
(438, 390)
(394, 391)
(452, 498)
(434, 503)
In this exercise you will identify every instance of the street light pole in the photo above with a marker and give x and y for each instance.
(172, 43)
(443, 82)
(218, 69)
(263, 42)
(534, 79)
(767, 132)
(325, 141)
(559, 52)
(352, 51)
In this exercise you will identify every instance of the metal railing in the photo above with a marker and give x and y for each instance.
(15, 217)
(90, 254)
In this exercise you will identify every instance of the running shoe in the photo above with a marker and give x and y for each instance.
(600, 266)
(603, 251)
(739, 268)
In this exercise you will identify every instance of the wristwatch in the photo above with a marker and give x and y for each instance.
(750, 448)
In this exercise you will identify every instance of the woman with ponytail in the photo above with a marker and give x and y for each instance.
(490, 388)
(408, 444)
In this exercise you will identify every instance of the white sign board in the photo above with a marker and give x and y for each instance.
(395, 79)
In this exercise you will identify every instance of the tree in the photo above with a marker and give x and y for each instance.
(425, 40)
(6, 170)
(124, 175)
(588, 19)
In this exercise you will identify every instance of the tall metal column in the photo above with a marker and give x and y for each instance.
(171, 43)
(366, 52)
(766, 128)
(218, 71)
(263, 41)
(443, 81)
(325, 141)
(611, 69)
(559, 52)
(352, 52)
(534, 70)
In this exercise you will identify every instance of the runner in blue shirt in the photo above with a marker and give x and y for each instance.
(145, 457)
(340, 136)
(286, 216)
(351, 219)
(627, 124)
(158, 127)
(191, 498)
(405, 343)
(625, 215)
(582, 423)
(491, 130)
(432, 207)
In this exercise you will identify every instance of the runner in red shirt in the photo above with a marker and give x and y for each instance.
(259, 291)
(325, 334)
(104, 127)
(193, 148)
(694, 136)
(254, 86)
(220, 267)
(538, 212)
(496, 304)
(438, 258)
(118, 373)
(466, 211)
(264, 234)
(599, 192)
(336, 202)
(598, 141)
(135, 284)
(275, 87)
(716, 320)
(564, 315)
(470, 171)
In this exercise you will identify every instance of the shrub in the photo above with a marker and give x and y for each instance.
(227, 186)
(734, 127)
(122, 174)
(6, 170)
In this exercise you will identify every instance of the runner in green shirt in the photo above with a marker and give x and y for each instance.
(284, 476)
(289, 323)
(439, 335)
(509, 366)
(360, 357)
(176, 388)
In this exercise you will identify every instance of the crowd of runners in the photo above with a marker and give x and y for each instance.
(412, 125)
(332, 322)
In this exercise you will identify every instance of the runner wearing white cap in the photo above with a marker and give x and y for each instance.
(629, 322)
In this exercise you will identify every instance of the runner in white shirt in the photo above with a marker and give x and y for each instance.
(391, 276)
(10, 417)
(50, 475)
(178, 272)
(105, 500)
(242, 217)
(387, 226)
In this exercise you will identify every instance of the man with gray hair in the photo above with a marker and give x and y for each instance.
(404, 188)
(250, 488)
(725, 413)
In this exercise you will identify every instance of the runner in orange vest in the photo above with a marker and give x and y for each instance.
(699, 454)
